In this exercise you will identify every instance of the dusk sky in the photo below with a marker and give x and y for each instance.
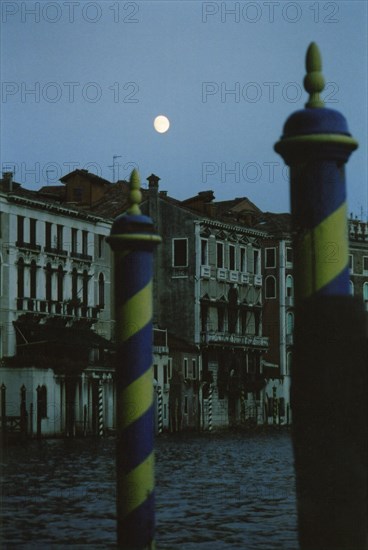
(83, 81)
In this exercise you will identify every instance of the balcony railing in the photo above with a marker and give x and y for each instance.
(289, 339)
(56, 251)
(80, 256)
(53, 307)
(257, 280)
(205, 271)
(221, 274)
(33, 247)
(244, 279)
(233, 276)
(229, 338)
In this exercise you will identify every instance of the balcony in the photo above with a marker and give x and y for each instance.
(233, 276)
(205, 271)
(80, 256)
(257, 280)
(56, 251)
(289, 301)
(289, 339)
(221, 274)
(53, 307)
(213, 337)
(179, 272)
(244, 279)
(32, 247)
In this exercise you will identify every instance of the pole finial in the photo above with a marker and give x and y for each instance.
(135, 195)
(314, 82)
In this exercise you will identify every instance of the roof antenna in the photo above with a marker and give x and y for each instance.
(114, 164)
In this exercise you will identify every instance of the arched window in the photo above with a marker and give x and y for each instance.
(365, 291)
(270, 287)
(85, 288)
(289, 285)
(101, 290)
(20, 282)
(289, 323)
(351, 288)
(60, 283)
(74, 284)
(48, 282)
(33, 280)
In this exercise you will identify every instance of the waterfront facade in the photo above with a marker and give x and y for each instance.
(223, 294)
(55, 314)
(208, 291)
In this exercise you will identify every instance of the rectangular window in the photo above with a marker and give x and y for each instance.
(180, 252)
(204, 252)
(85, 243)
(243, 256)
(100, 246)
(194, 368)
(185, 368)
(48, 226)
(351, 263)
(165, 374)
(155, 372)
(220, 254)
(365, 265)
(32, 231)
(74, 240)
(185, 405)
(289, 255)
(20, 229)
(256, 258)
(231, 257)
(59, 237)
(270, 257)
(165, 411)
(220, 318)
(170, 367)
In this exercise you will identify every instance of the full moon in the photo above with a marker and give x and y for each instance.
(161, 124)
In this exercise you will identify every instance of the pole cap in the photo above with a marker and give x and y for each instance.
(133, 230)
(315, 132)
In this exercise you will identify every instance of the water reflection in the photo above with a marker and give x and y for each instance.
(214, 491)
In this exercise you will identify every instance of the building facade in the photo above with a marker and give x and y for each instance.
(208, 292)
(55, 322)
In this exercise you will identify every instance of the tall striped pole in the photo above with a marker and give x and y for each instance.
(100, 409)
(329, 376)
(133, 240)
(210, 408)
(159, 409)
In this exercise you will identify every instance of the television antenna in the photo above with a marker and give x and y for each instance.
(114, 164)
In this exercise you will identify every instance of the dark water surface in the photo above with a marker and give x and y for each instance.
(213, 491)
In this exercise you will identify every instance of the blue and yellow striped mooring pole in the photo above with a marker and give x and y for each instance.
(133, 240)
(329, 375)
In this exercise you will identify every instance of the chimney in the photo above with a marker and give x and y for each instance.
(153, 183)
(8, 180)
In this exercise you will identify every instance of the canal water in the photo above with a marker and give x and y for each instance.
(213, 492)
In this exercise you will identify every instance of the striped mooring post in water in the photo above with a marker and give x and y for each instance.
(100, 409)
(133, 240)
(210, 392)
(159, 410)
(329, 375)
